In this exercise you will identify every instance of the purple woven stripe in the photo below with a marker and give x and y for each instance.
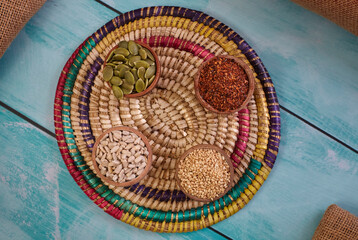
(83, 109)
(110, 26)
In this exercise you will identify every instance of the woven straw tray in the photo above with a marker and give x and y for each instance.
(170, 117)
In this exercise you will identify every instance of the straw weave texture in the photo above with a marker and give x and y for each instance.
(170, 117)
(342, 12)
(337, 223)
(14, 14)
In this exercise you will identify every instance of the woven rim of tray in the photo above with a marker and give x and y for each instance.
(85, 107)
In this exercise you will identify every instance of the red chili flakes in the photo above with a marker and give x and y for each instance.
(223, 84)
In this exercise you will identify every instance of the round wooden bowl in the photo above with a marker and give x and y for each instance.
(157, 73)
(205, 146)
(135, 180)
(250, 77)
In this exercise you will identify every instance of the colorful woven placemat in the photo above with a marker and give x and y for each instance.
(170, 117)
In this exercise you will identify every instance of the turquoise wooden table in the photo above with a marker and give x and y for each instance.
(313, 64)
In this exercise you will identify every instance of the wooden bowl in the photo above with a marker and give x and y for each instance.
(135, 180)
(248, 72)
(205, 146)
(157, 73)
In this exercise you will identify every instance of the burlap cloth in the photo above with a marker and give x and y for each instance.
(337, 223)
(14, 14)
(342, 12)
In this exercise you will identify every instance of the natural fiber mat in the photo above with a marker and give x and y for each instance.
(170, 117)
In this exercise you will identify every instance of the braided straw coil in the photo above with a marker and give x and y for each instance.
(169, 116)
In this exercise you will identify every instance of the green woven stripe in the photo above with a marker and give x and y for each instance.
(106, 193)
(101, 189)
(157, 216)
(168, 216)
(138, 211)
(134, 206)
(186, 215)
(250, 174)
(151, 215)
(120, 202)
(255, 163)
(180, 216)
(211, 208)
(206, 210)
(115, 198)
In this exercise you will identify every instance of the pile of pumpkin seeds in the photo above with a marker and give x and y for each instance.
(130, 68)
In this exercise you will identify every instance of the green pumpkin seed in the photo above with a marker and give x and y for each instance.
(119, 57)
(146, 83)
(149, 54)
(139, 46)
(117, 62)
(140, 86)
(116, 72)
(122, 51)
(107, 73)
(151, 80)
(133, 48)
(141, 73)
(127, 89)
(123, 44)
(129, 77)
(150, 62)
(110, 56)
(116, 81)
(122, 72)
(150, 72)
(132, 60)
(111, 64)
(141, 63)
(134, 72)
(117, 91)
(120, 66)
(142, 53)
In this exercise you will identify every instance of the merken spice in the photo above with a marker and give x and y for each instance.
(223, 84)
(204, 173)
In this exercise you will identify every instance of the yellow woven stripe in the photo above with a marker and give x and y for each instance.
(175, 227)
(149, 225)
(248, 194)
(181, 225)
(125, 217)
(129, 220)
(256, 183)
(156, 226)
(170, 227)
(216, 217)
(210, 219)
(252, 189)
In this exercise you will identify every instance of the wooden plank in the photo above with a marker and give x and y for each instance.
(32, 65)
(40, 200)
(312, 61)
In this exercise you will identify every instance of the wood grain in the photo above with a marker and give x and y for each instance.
(30, 68)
